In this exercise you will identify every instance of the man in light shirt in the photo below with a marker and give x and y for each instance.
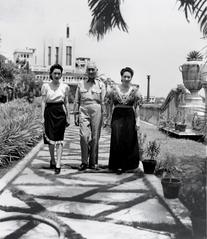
(88, 115)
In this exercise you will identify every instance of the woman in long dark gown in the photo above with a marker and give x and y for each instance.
(125, 100)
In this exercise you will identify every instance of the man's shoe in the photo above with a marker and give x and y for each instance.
(95, 167)
(83, 167)
(92, 167)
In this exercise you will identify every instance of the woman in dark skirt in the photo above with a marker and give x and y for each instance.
(55, 114)
(124, 148)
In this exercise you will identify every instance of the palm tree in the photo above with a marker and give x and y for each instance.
(106, 15)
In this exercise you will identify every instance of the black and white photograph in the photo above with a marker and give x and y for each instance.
(103, 119)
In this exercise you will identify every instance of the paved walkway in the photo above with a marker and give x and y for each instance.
(35, 203)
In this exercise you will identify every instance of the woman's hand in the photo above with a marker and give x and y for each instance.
(107, 122)
(67, 123)
(76, 119)
(137, 127)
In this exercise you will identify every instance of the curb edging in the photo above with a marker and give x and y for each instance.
(20, 166)
(175, 205)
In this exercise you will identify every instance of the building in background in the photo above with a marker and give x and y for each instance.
(80, 64)
(24, 57)
(55, 50)
(149, 99)
(59, 51)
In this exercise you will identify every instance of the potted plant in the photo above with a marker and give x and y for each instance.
(179, 121)
(170, 180)
(180, 126)
(152, 151)
(194, 56)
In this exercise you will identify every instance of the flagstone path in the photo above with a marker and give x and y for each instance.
(94, 204)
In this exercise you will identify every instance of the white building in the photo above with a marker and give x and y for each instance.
(25, 55)
(59, 51)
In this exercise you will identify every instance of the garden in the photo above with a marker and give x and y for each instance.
(185, 159)
(20, 131)
(181, 166)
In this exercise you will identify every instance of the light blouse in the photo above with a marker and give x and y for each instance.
(131, 97)
(57, 95)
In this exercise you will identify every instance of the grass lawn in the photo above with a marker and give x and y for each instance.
(181, 148)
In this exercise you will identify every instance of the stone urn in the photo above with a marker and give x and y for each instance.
(193, 73)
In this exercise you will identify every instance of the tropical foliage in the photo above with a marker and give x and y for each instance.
(20, 129)
(194, 55)
(197, 8)
(7, 70)
(106, 15)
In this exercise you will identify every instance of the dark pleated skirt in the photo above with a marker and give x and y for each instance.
(55, 123)
(124, 151)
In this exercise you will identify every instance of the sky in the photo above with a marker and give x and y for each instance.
(157, 43)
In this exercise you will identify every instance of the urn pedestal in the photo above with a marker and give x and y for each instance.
(193, 73)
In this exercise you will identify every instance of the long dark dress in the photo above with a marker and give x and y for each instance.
(124, 148)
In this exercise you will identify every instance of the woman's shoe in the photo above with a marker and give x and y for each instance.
(57, 170)
(119, 171)
(52, 165)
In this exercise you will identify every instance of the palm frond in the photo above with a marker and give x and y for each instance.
(197, 8)
(106, 16)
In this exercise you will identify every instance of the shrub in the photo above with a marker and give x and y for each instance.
(193, 193)
(153, 149)
(194, 56)
(20, 129)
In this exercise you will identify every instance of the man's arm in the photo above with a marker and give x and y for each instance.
(66, 104)
(76, 106)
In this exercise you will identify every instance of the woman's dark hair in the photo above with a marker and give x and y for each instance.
(128, 69)
(53, 67)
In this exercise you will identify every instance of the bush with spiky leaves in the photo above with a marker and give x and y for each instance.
(194, 56)
(20, 129)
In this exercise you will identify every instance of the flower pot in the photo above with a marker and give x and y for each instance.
(170, 187)
(149, 165)
(198, 226)
(180, 127)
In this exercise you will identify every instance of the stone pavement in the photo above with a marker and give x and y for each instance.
(95, 204)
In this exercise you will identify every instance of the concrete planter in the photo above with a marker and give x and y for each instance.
(193, 75)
